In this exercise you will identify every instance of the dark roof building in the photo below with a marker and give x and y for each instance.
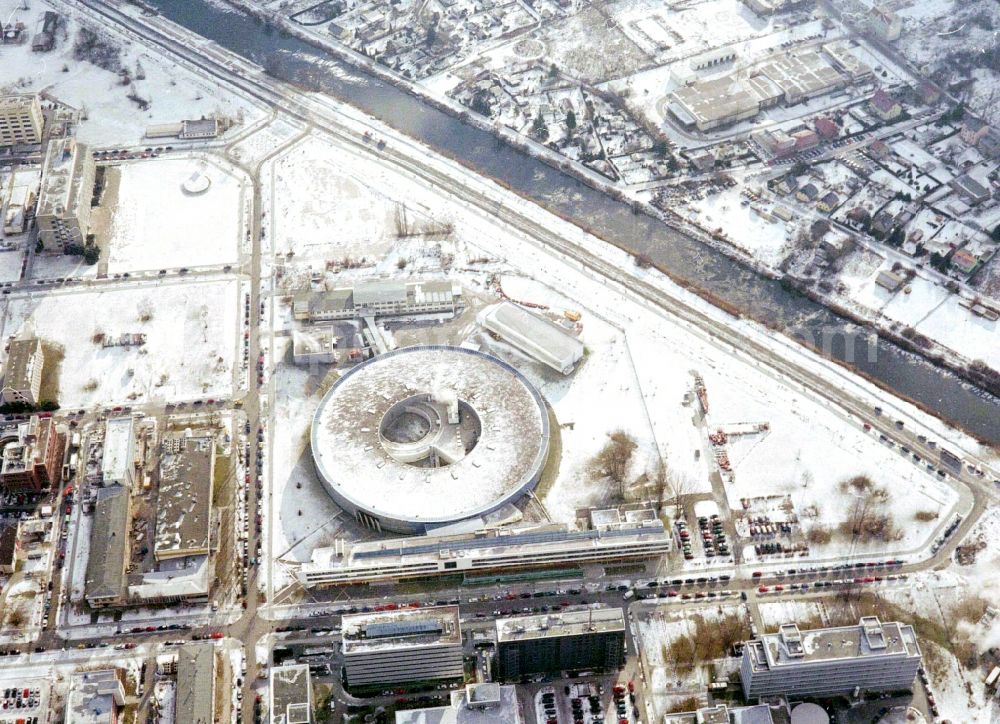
(104, 584)
(591, 639)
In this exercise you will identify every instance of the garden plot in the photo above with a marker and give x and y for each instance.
(171, 213)
(190, 340)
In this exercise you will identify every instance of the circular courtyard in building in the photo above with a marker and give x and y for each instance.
(424, 437)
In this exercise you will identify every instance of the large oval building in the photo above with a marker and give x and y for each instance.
(424, 437)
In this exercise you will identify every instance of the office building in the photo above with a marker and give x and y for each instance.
(96, 697)
(475, 704)
(194, 700)
(378, 299)
(872, 656)
(63, 213)
(291, 695)
(33, 461)
(589, 640)
(22, 372)
(21, 120)
(401, 646)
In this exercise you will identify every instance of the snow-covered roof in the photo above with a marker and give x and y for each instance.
(184, 504)
(533, 335)
(363, 469)
(118, 449)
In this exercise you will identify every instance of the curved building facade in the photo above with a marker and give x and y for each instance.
(424, 437)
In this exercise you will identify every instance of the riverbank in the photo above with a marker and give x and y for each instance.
(691, 260)
(936, 354)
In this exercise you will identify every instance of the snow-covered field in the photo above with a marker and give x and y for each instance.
(157, 224)
(173, 92)
(322, 209)
(190, 330)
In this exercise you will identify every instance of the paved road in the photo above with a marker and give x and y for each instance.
(786, 365)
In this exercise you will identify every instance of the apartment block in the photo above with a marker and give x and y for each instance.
(22, 372)
(21, 120)
(63, 214)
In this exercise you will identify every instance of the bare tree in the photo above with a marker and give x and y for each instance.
(678, 487)
(613, 461)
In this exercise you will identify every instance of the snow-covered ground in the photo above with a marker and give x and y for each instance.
(314, 185)
(191, 335)
(156, 223)
(304, 516)
(173, 92)
(665, 684)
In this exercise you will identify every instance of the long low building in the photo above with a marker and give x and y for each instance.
(104, 584)
(534, 335)
(872, 656)
(484, 551)
(184, 504)
(407, 645)
(378, 299)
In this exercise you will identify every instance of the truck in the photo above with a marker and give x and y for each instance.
(951, 460)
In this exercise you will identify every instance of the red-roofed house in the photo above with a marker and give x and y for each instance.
(964, 261)
(826, 128)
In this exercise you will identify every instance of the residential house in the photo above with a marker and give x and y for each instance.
(970, 189)
(807, 193)
(989, 144)
(929, 93)
(828, 203)
(973, 129)
(885, 106)
(964, 261)
(826, 128)
(889, 280)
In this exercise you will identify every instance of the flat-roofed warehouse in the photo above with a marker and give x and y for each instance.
(118, 459)
(712, 103)
(802, 75)
(589, 639)
(872, 656)
(423, 644)
(430, 436)
(534, 335)
(184, 502)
